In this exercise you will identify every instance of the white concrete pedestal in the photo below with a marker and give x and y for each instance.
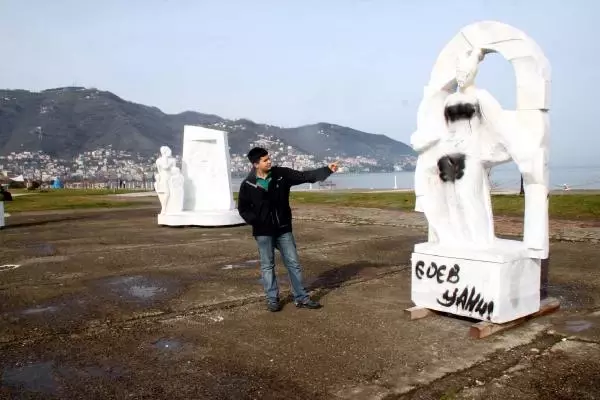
(498, 284)
(1, 214)
(202, 218)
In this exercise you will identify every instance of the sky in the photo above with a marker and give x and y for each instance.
(357, 63)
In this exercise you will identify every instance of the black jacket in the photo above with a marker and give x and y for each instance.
(268, 211)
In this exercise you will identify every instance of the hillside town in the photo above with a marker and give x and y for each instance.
(105, 165)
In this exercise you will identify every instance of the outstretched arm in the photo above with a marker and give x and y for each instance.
(295, 177)
(421, 142)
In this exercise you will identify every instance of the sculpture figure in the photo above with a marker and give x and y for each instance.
(175, 201)
(460, 136)
(457, 146)
(164, 166)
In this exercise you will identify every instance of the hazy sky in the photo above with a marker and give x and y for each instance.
(356, 63)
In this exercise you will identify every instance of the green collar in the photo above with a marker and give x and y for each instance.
(264, 182)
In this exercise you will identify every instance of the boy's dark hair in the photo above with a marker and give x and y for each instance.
(256, 154)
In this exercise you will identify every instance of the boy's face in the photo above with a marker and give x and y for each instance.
(264, 164)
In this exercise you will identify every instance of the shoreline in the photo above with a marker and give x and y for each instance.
(494, 192)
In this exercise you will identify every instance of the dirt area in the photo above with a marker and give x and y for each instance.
(106, 304)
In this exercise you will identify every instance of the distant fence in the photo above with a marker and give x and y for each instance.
(327, 185)
(132, 185)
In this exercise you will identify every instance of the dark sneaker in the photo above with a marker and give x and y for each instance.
(313, 305)
(274, 307)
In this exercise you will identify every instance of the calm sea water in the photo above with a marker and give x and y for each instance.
(504, 177)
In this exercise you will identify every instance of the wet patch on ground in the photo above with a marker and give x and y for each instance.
(37, 377)
(111, 297)
(138, 365)
(139, 288)
(243, 265)
(168, 344)
(581, 325)
(577, 325)
(49, 378)
(44, 260)
(41, 250)
(40, 310)
(60, 314)
(572, 296)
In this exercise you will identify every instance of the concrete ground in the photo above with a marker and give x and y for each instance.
(106, 304)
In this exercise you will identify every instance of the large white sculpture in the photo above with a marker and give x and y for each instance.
(200, 193)
(462, 132)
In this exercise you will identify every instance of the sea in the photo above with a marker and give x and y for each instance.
(503, 178)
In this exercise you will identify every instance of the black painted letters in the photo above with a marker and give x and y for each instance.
(453, 274)
(437, 272)
(419, 269)
(467, 299)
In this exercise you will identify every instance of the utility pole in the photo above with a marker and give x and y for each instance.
(84, 172)
(40, 137)
(522, 190)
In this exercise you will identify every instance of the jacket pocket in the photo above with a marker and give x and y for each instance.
(264, 216)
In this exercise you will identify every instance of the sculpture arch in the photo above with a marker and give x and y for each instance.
(532, 68)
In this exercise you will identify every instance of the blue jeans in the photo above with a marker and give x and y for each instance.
(286, 245)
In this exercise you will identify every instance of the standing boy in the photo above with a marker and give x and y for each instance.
(264, 203)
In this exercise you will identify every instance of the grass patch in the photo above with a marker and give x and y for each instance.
(74, 192)
(70, 199)
(573, 206)
(400, 201)
(576, 206)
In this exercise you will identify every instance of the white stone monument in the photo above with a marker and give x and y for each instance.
(462, 132)
(200, 193)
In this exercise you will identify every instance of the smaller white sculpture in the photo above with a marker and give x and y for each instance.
(176, 182)
(198, 194)
(164, 165)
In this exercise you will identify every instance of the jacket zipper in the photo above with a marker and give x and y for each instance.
(276, 213)
(277, 217)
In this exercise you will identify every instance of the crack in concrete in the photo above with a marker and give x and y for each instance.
(581, 340)
(492, 367)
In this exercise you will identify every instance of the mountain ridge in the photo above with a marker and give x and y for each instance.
(66, 121)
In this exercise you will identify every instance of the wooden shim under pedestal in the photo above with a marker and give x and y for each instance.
(484, 328)
(418, 312)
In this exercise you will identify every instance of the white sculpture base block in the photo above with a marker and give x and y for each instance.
(202, 218)
(1, 214)
(498, 284)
